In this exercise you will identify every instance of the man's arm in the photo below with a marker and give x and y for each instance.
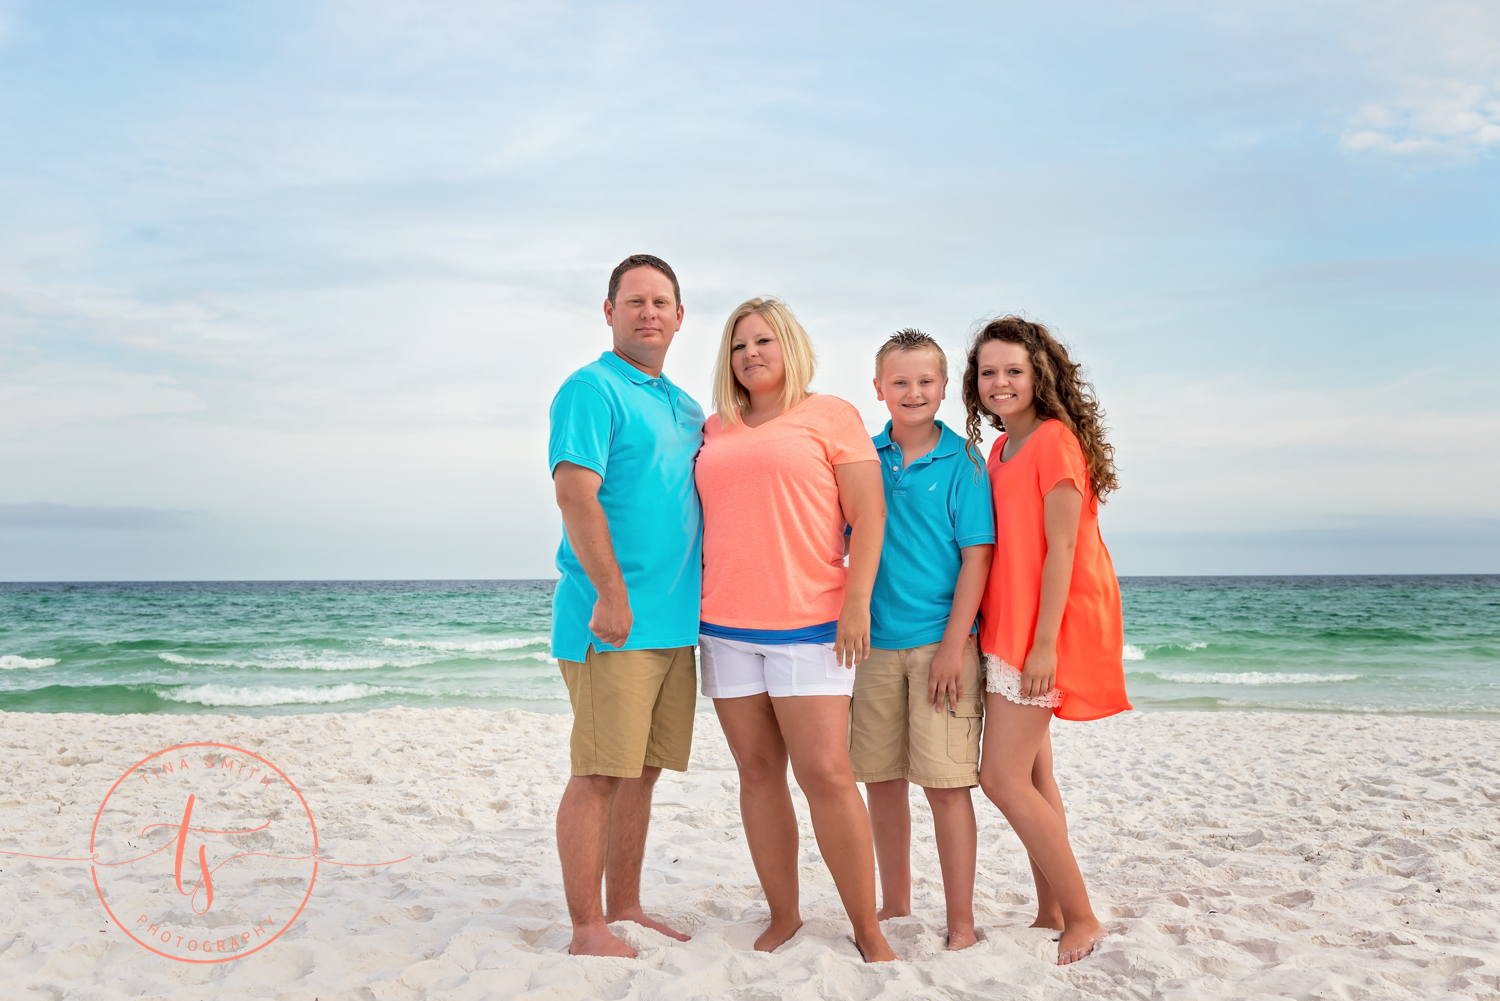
(587, 526)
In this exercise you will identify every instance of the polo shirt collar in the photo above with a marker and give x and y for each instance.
(629, 371)
(949, 441)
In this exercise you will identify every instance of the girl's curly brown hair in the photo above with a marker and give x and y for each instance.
(1060, 393)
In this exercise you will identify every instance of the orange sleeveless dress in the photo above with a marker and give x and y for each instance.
(1091, 639)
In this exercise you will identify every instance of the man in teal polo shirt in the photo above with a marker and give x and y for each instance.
(625, 613)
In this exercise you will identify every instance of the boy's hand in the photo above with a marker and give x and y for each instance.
(1040, 674)
(945, 676)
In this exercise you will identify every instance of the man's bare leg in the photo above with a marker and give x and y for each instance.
(890, 823)
(958, 846)
(629, 820)
(583, 821)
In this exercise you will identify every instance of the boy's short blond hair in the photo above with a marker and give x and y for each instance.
(910, 339)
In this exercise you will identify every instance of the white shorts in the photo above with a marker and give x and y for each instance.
(732, 669)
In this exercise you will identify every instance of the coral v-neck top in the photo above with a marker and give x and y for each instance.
(1091, 639)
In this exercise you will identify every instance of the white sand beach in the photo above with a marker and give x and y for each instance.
(1230, 855)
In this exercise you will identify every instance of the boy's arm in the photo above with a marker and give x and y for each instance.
(945, 676)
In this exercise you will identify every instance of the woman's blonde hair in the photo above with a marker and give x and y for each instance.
(797, 357)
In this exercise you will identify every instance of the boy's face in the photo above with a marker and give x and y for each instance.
(911, 386)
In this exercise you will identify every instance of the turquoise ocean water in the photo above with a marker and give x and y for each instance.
(1426, 645)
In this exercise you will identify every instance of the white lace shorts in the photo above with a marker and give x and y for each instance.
(1001, 678)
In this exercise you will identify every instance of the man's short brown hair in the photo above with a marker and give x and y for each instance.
(643, 261)
(910, 339)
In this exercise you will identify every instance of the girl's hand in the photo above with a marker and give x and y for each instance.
(945, 677)
(852, 644)
(1040, 673)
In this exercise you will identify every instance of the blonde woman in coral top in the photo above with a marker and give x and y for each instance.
(1051, 630)
(782, 471)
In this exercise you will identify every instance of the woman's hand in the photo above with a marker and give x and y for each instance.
(852, 644)
(945, 676)
(1040, 674)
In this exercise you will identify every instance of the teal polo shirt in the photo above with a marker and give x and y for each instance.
(641, 435)
(933, 508)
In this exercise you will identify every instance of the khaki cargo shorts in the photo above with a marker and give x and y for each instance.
(631, 708)
(895, 734)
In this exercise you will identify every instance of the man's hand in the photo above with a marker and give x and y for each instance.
(945, 677)
(612, 618)
(1040, 674)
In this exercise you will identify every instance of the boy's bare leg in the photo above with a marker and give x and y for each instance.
(1048, 911)
(958, 846)
(890, 823)
(629, 819)
(583, 822)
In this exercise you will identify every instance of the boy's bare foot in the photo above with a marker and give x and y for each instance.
(777, 935)
(961, 938)
(598, 940)
(893, 911)
(875, 949)
(1078, 940)
(638, 916)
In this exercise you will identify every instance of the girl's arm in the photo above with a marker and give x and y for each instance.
(945, 676)
(862, 496)
(1062, 507)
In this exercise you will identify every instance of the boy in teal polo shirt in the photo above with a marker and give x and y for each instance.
(918, 699)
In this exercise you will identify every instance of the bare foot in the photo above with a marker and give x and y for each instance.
(1078, 940)
(1052, 921)
(597, 940)
(892, 912)
(777, 935)
(961, 938)
(875, 949)
(638, 916)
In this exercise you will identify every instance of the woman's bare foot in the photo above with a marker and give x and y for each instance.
(777, 935)
(893, 911)
(639, 917)
(598, 940)
(1078, 940)
(961, 938)
(875, 949)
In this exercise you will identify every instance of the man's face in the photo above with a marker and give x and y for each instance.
(644, 315)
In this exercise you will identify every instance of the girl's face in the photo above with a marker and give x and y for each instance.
(1005, 379)
(755, 356)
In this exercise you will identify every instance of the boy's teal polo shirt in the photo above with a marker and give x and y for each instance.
(641, 435)
(933, 508)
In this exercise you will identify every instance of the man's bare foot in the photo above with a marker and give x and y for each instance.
(961, 938)
(893, 911)
(777, 935)
(638, 916)
(1053, 921)
(875, 949)
(1078, 940)
(598, 940)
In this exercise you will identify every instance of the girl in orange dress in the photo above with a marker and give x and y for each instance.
(1050, 624)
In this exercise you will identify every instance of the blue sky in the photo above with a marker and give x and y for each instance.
(285, 288)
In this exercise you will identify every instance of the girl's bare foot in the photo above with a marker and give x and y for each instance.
(639, 917)
(598, 941)
(1078, 940)
(777, 935)
(875, 949)
(893, 911)
(1050, 920)
(961, 938)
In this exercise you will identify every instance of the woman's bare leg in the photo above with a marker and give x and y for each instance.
(890, 823)
(816, 729)
(1013, 737)
(957, 845)
(766, 811)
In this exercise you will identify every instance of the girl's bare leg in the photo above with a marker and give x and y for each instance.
(816, 728)
(1013, 737)
(957, 845)
(890, 823)
(754, 738)
(1048, 911)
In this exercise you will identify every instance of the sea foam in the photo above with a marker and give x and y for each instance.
(1252, 678)
(473, 646)
(226, 695)
(10, 662)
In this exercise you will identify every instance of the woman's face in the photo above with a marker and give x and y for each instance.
(755, 356)
(1005, 379)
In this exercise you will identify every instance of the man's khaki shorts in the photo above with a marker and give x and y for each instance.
(631, 708)
(895, 734)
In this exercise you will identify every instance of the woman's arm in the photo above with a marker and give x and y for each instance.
(945, 676)
(1062, 507)
(862, 496)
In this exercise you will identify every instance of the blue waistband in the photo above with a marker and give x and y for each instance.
(826, 632)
